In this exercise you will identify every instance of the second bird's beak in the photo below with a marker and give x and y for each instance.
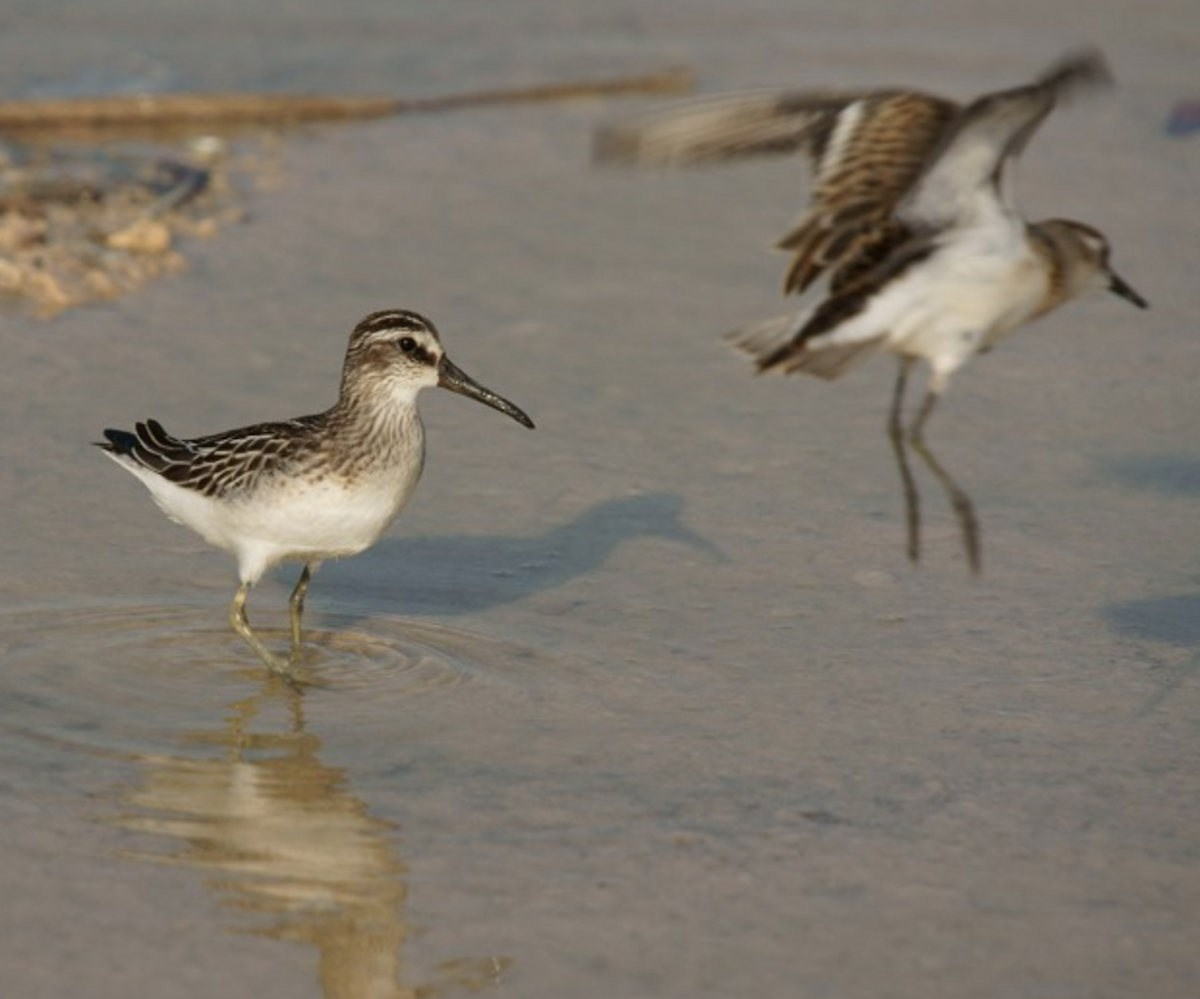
(452, 377)
(1118, 286)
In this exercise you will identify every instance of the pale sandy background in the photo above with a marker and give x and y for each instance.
(647, 702)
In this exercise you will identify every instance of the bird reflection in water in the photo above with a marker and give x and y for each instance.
(290, 846)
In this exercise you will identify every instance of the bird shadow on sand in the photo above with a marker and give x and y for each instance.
(463, 574)
(1173, 474)
(1172, 620)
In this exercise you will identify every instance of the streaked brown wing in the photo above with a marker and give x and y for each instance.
(872, 151)
(218, 464)
(235, 459)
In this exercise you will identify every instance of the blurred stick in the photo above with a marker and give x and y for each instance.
(182, 111)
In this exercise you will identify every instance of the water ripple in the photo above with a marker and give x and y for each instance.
(120, 678)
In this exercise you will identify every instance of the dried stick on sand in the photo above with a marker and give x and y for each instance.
(181, 111)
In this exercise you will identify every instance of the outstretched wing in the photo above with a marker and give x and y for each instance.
(963, 178)
(866, 147)
(875, 147)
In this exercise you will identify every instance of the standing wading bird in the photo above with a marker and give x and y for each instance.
(312, 488)
(912, 231)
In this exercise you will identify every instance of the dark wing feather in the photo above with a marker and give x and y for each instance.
(876, 150)
(151, 447)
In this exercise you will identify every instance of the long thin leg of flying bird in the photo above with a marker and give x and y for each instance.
(964, 508)
(912, 498)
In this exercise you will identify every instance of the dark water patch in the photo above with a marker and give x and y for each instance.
(1176, 474)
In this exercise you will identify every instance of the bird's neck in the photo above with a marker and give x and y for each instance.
(378, 413)
(1065, 259)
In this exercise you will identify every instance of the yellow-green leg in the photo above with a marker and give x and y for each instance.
(296, 603)
(237, 618)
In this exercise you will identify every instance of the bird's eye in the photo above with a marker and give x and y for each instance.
(407, 344)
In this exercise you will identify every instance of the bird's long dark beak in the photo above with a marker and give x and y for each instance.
(1118, 286)
(452, 377)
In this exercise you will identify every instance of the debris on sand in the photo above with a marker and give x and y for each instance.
(81, 224)
(96, 199)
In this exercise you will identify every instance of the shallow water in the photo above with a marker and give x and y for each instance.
(131, 673)
(648, 702)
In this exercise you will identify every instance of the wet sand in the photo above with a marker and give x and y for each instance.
(647, 702)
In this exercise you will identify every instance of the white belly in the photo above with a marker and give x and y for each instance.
(970, 293)
(291, 519)
(305, 520)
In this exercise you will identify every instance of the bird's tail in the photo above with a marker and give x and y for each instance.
(776, 345)
(766, 341)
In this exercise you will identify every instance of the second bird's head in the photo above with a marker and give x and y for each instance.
(1090, 251)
